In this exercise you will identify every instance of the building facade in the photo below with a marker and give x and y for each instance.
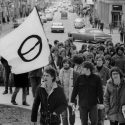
(111, 11)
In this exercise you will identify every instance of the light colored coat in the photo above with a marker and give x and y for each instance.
(66, 79)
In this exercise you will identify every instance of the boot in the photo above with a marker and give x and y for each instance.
(5, 92)
(25, 103)
(14, 102)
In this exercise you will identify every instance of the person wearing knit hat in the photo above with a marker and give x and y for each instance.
(68, 78)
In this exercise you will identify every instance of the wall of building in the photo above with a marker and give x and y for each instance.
(104, 10)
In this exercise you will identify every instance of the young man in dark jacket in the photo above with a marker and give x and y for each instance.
(89, 90)
(51, 99)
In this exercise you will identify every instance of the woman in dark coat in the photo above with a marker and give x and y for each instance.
(20, 81)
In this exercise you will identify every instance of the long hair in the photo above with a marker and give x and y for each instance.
(89, 65)
(50, 70)
(116, 69)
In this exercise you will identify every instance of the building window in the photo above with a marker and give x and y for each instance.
(117, 7)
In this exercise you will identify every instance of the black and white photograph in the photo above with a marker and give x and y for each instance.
(62, 62)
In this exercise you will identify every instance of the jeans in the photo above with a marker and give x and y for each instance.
(101, 116)
(122, 37)
(6, 77)
(71, 116)
(92, 112)
(16, 92)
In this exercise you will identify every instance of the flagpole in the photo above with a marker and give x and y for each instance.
(47, 40)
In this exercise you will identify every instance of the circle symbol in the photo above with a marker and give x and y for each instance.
(38, 43)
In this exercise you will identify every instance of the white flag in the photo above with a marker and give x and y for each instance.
(26, 48)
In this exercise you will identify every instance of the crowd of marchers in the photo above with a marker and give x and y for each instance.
(91, 79)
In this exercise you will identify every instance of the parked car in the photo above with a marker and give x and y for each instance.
(57, 27)
(49, 16)
(79, 23)
(64, 15)
(91, 35)
(43, 19)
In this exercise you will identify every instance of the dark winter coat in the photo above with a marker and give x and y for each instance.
(55, 102)
(89, 89)
(114, 99)
(21, 80)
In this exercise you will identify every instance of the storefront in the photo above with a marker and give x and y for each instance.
(111, 11)
(116, 15)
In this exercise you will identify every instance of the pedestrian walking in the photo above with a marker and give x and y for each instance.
(7, 73)
(121, 31)
(99, 21)
(20, 82)
(103, 72)
(101, 26)
(77, 61)
(114, 97)
(50, 96)
(88, 87)
(111, 28)
(101, 69)
(68, 78)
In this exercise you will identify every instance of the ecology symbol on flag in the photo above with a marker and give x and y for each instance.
(38, 44)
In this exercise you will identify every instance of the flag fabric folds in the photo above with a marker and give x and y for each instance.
(26, 48)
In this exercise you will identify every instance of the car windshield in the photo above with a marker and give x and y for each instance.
(57, 24)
